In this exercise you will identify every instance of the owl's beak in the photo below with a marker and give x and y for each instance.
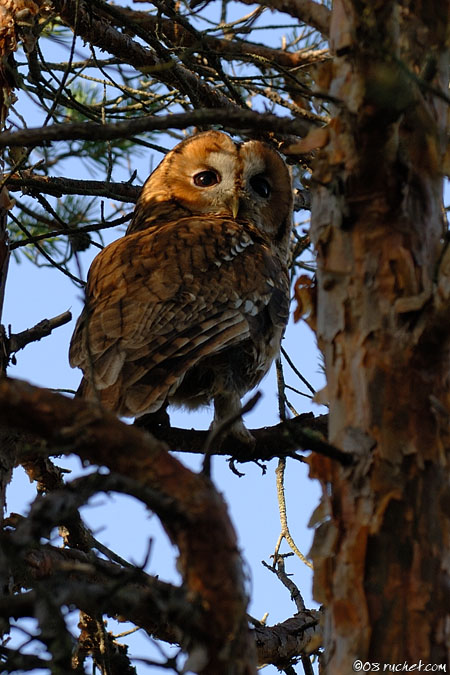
(234, 204)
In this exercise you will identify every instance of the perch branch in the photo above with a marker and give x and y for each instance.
(304, 432)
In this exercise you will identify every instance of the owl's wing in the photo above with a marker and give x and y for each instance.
(159, 301)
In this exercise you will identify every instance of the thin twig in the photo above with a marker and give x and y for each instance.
(279, 569)
(297, 372)
(279, 471)
(32, 239)
(44, 253)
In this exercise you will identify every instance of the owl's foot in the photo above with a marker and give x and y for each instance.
(233, 435)
(241, 434)
(227, 407)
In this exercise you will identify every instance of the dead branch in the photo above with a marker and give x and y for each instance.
(278, 568)
(281, 643)
(163, 610)
(42, 329)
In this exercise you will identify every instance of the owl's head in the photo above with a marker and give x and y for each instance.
(209, 174)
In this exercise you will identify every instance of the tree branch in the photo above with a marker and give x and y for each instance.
(42, 329)
(237, 119)
(307, 11)
(16, 662)
(304, 432)
(161, 609)
(80, 17)
(71, 231)
(30, 183)
(209, 558)
(228, 49)
(281, 643)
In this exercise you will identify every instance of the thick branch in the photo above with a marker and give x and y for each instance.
(208, 552)
(304, 432)
(237, 119)
(285, 641)
(163, 610)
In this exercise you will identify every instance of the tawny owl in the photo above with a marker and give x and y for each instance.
(190, 305)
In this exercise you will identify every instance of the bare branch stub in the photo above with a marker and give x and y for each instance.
(42, 329)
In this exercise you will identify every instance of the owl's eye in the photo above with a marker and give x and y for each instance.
(261, 186)
(206, 178)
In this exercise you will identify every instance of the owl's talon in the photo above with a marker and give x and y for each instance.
(242, 435)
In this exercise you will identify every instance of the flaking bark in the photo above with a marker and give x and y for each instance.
(382, 555)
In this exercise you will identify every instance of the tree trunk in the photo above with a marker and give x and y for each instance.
(382, 554)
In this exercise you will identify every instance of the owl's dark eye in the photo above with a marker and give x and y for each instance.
(261, 186)
(206, 178)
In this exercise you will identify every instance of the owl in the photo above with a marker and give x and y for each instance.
(190, 305)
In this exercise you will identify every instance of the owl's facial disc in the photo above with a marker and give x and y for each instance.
(209, 174)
